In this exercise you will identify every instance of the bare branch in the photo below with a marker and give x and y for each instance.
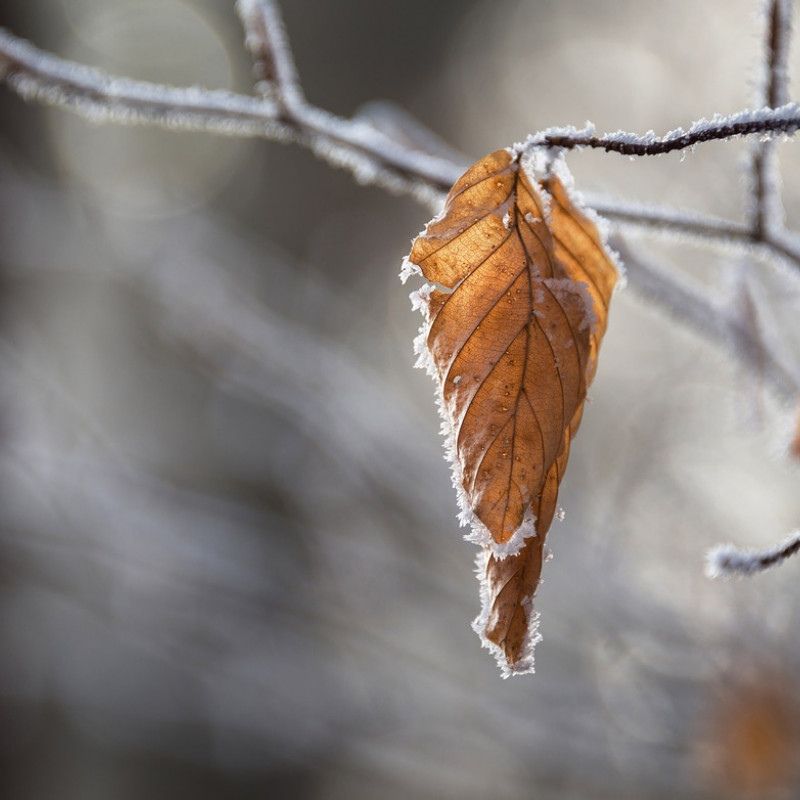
(704, 312)
(766, 211)
(368, 154)
(778, 41)
(670, 220)
(720, 233)
(268, 43)
(725, 561)
(782, 120)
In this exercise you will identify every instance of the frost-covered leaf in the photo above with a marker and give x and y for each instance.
(520, 282)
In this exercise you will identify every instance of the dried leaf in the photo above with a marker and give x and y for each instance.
(516, 307)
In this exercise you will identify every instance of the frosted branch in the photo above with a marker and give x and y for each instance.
(779, 32)
(703, 311)
(766, 211)
(725, 561)
(99, 97)
(268, 43)
(369, 154)
(764, 121)
(352, 144)
(669, 220)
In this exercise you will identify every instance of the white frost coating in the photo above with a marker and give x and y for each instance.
(408, 269)
(786, 120)
(535, 139)
(726, 561)
(507, 220)
(480, 534)
(525, 665)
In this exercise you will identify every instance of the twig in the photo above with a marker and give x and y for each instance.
(273, 62)
(763, 121)
(359, 147)
(725, 561)
(703, 311)
(353, 144)
(670, 220)
(766, 212)
(715, 231)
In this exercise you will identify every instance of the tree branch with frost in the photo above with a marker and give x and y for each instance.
(766, 210)
(704, 312)
(284, 115)
(371, 156)
(273, 61)
(760, 122)
(726, 561)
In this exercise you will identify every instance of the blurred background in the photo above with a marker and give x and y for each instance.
(229, 559)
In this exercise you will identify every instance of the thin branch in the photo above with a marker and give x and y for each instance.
(764, 121)
(670, 220)
(703, 311)
(353, 144)
(726, 561)
(720, 233)
(766, 212)
(779, 36)
(371, 156)
(273, 62)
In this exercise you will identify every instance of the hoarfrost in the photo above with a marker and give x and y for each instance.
(408, 269)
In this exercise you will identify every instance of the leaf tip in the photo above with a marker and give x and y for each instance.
(523, 662)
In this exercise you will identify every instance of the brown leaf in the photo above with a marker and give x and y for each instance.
(516, 308)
